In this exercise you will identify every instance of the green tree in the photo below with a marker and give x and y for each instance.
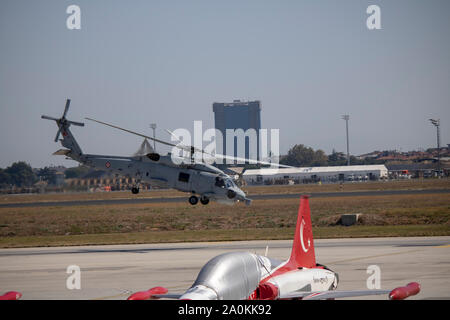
(337, 159)
(21, 174)
(302, 156)
(4, 178)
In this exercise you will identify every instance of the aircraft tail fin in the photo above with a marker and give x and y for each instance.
(303, 254)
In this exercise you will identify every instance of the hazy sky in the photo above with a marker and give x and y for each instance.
(138, 62)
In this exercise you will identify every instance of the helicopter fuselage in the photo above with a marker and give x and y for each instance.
(206, 181)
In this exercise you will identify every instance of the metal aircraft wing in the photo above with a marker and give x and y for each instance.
(399, 293)
(332, 294)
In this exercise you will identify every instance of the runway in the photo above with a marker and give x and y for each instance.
(132, 200)
(113, 272)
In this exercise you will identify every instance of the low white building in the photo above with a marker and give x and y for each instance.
(315, 174)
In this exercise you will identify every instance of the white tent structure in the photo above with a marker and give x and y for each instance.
(314, 174)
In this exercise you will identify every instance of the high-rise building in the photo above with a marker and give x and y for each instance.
(243, 115)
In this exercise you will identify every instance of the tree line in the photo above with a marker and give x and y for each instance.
(21, 174)
(18, 174)
(303, 156)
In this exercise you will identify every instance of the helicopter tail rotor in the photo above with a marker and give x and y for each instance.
(62, 122)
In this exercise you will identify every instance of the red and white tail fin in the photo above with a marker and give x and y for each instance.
(302, 254)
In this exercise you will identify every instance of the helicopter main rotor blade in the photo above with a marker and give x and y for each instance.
(57, 135)
(49, 118)
(185, 147)
(222, 156)
(250, 161)
(173, 135)
(136, 133)
(191, 148)
(66, 108)
(80, 124)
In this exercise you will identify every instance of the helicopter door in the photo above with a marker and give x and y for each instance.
(200, 182)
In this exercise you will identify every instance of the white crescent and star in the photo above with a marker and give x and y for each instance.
(301, 237)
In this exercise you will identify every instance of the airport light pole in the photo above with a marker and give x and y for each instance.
(153, 126)
(436, 123)
(346, 117)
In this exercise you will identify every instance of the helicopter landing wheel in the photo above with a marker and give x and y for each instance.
(134, 190)
(204, 200)
(193, 200)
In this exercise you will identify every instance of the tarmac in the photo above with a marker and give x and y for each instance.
(114, 272)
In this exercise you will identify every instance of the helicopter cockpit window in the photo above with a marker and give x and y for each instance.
(220, 182)
(228, 183)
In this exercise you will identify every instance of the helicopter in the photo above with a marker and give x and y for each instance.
(204, 181)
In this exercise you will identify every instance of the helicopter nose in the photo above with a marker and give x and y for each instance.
(240, 195)
(243, 197)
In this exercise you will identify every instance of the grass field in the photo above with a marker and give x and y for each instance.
(223, 235)
(387, 215)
